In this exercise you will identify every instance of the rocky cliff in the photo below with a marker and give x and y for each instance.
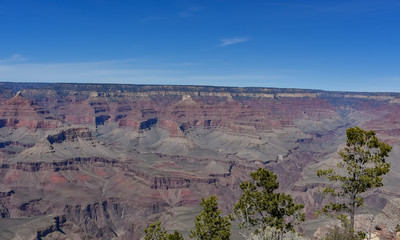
(109, 159)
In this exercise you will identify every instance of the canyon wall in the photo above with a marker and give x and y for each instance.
(105, 160)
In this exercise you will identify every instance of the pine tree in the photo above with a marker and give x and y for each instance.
(363, 163)
(156, 232)
(260, 206)
(175, 236)
(210, 225)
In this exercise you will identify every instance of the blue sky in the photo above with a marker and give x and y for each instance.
(330, 45)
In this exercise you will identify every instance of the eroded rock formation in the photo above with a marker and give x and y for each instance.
(109, 159)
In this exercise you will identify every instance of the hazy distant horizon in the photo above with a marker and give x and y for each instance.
(205, 86)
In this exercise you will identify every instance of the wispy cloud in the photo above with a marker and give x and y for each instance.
(237, 77)
(190, 11)
(370, 84)
(131, 71)
(234, 40)
(13, 58)
(166, 72)
(123, 71)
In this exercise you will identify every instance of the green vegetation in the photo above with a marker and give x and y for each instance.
(155, 232)
(272, 233)
(343, 233)
(363, 163)
(175, 236)
(260, 206)
(209, 225)
(264, 213)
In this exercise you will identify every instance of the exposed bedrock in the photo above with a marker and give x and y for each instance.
(23, 112)
(120, 214)
(112, 158)
(96, 219)
(67, 164)
(70, 135)
(59, 222)
(4, 213)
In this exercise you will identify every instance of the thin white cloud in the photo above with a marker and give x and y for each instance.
(237, 77)
(123, 71)
(234, 40)
(186, 13)
(165, 72)
(13, 58)
(131, 71)
(392, 79)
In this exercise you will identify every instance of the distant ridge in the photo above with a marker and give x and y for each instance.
(103, 87)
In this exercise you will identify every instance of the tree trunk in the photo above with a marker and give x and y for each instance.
(352, 211)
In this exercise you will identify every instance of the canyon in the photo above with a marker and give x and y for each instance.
(102, 161)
